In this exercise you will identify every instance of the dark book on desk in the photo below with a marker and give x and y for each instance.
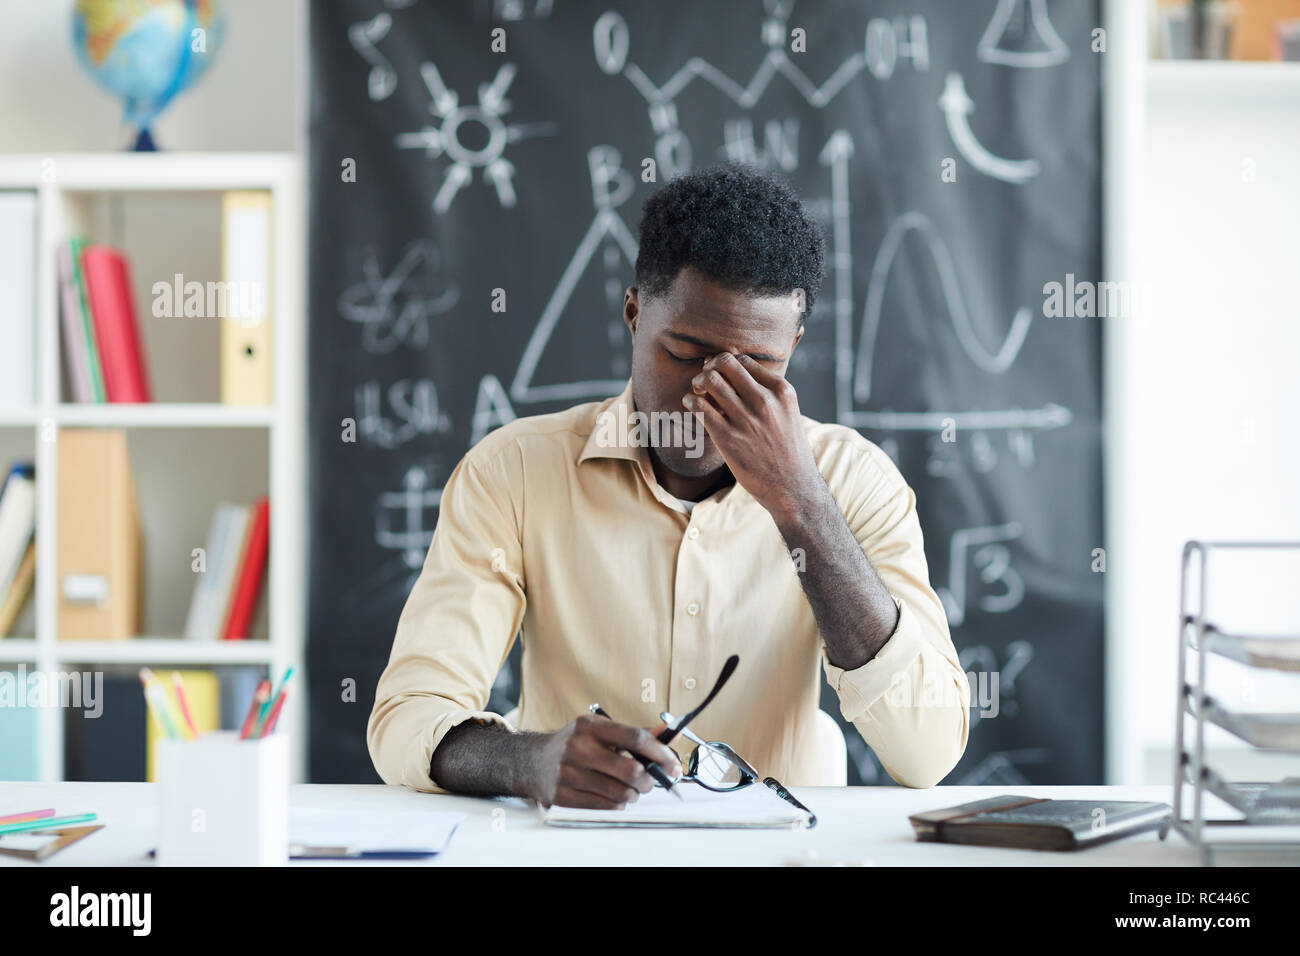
(1034, 823)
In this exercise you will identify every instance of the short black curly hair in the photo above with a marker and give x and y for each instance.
(738, 225)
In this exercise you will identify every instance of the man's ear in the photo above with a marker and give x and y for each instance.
(797, 336)
(631, 308)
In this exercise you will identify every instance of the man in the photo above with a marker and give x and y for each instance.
(637, 551)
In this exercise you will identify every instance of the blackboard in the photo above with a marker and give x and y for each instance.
(951, 151)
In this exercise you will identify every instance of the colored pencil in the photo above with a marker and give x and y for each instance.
(275, 713)
(29, 815)
(260, 697)
(269, 706)
(157, 702)
(49, 823)
(179, 686)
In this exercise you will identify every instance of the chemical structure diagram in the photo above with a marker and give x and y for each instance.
(886, 44)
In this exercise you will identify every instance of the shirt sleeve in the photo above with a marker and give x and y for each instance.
(911, 701)
(456, 629)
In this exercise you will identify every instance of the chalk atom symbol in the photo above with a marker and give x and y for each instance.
(395, 309)
(461, 125)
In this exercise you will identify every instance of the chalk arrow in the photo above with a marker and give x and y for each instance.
(836, 154)
(444, 100)
(428, 139)
(839, 146)
(499, 172)
(1045, 418)
(492, 98)
(457, 175)
(957, 107)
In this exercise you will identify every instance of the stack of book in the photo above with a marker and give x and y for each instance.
(231, 578)
(17, 542)
(101, 334)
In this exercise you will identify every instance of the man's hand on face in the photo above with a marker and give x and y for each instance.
(752, 415)
(583, 765)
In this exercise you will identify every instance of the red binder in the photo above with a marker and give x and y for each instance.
(248, 581)
(112, 311)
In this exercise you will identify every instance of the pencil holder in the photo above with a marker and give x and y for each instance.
(223, 801)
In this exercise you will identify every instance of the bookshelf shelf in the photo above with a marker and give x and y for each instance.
(165, 415)
(19, 417)
(18, 650)
(1223, 81)
(163, 650)
(188, 452)
(149, 172)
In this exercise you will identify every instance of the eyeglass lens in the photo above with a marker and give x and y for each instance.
(713, 769)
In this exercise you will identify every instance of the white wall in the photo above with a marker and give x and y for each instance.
(247, 100)
(1205, 429)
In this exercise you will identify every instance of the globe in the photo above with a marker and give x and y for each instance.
(146, 51)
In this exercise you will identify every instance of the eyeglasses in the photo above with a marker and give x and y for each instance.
(714, 765)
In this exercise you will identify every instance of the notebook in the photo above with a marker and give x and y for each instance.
(1037, 824)
(755, 806)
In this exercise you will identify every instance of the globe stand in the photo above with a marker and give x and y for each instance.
(144, 142)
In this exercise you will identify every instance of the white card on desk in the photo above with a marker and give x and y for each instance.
(361, 832)
(752, 806)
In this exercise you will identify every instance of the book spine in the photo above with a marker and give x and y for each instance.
(246, 328)
(17, 521)
(227, 569)
(74, 339)
(89, 343)
(19, 590)
(114, 319)
(249, 580)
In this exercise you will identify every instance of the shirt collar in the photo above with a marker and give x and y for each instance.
(609, 438)
(610, 427)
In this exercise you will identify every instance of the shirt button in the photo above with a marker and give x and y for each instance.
(690, 683)
(692, 609)
(693, 533)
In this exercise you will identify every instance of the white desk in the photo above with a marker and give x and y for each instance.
(855, 824)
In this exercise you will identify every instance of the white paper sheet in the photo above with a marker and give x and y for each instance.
(371, 831)
(753, 806)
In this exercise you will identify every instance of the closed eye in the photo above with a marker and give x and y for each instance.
(685, 361)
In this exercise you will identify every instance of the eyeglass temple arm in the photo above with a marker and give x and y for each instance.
(775, 785)
(686, 732)
(727, 670)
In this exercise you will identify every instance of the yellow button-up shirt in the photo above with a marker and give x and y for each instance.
(551, 531)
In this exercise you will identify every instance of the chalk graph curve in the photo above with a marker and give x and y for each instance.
(992, 362)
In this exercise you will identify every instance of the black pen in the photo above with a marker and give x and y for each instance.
(652, 768)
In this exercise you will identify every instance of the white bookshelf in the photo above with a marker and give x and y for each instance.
(69, 189)
(1215, 83)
